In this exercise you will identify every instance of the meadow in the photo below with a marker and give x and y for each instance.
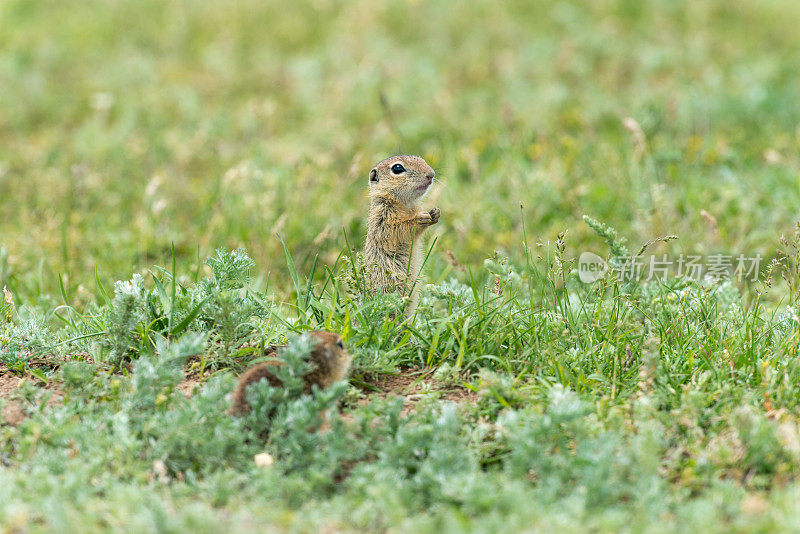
(184, 183)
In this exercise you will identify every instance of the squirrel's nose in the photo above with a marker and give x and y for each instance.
(430, 175)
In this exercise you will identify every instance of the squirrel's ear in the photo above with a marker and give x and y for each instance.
(373, 175)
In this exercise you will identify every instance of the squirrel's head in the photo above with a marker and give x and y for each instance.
(330, 354)
(407, 178)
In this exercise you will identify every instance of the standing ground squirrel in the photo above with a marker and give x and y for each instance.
(393, 251)
(330, 363)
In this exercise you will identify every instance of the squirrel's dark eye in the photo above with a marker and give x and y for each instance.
(397, 168)
(340, 344)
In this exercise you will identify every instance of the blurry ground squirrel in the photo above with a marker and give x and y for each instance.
(393, 251)
(330, 364)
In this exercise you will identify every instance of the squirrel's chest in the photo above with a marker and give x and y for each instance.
(390, 229)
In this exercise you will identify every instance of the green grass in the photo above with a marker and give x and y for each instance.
(139, 141)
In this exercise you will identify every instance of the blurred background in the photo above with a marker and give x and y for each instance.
(128, 126)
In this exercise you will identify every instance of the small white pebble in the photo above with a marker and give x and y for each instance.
(160, 472)
(264, 459)
(102, 101)
(772, 156)
(160, 468)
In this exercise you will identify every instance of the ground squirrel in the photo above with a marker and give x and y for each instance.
(330, 363)
(393, 251)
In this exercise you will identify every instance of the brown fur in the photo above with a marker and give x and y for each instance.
(393, 251)
(330, 363)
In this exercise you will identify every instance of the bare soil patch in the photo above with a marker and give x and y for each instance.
(188, 385)
(8, 383)
(13, 411)
(414, 385)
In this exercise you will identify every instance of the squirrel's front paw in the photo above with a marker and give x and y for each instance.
(427, 218)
